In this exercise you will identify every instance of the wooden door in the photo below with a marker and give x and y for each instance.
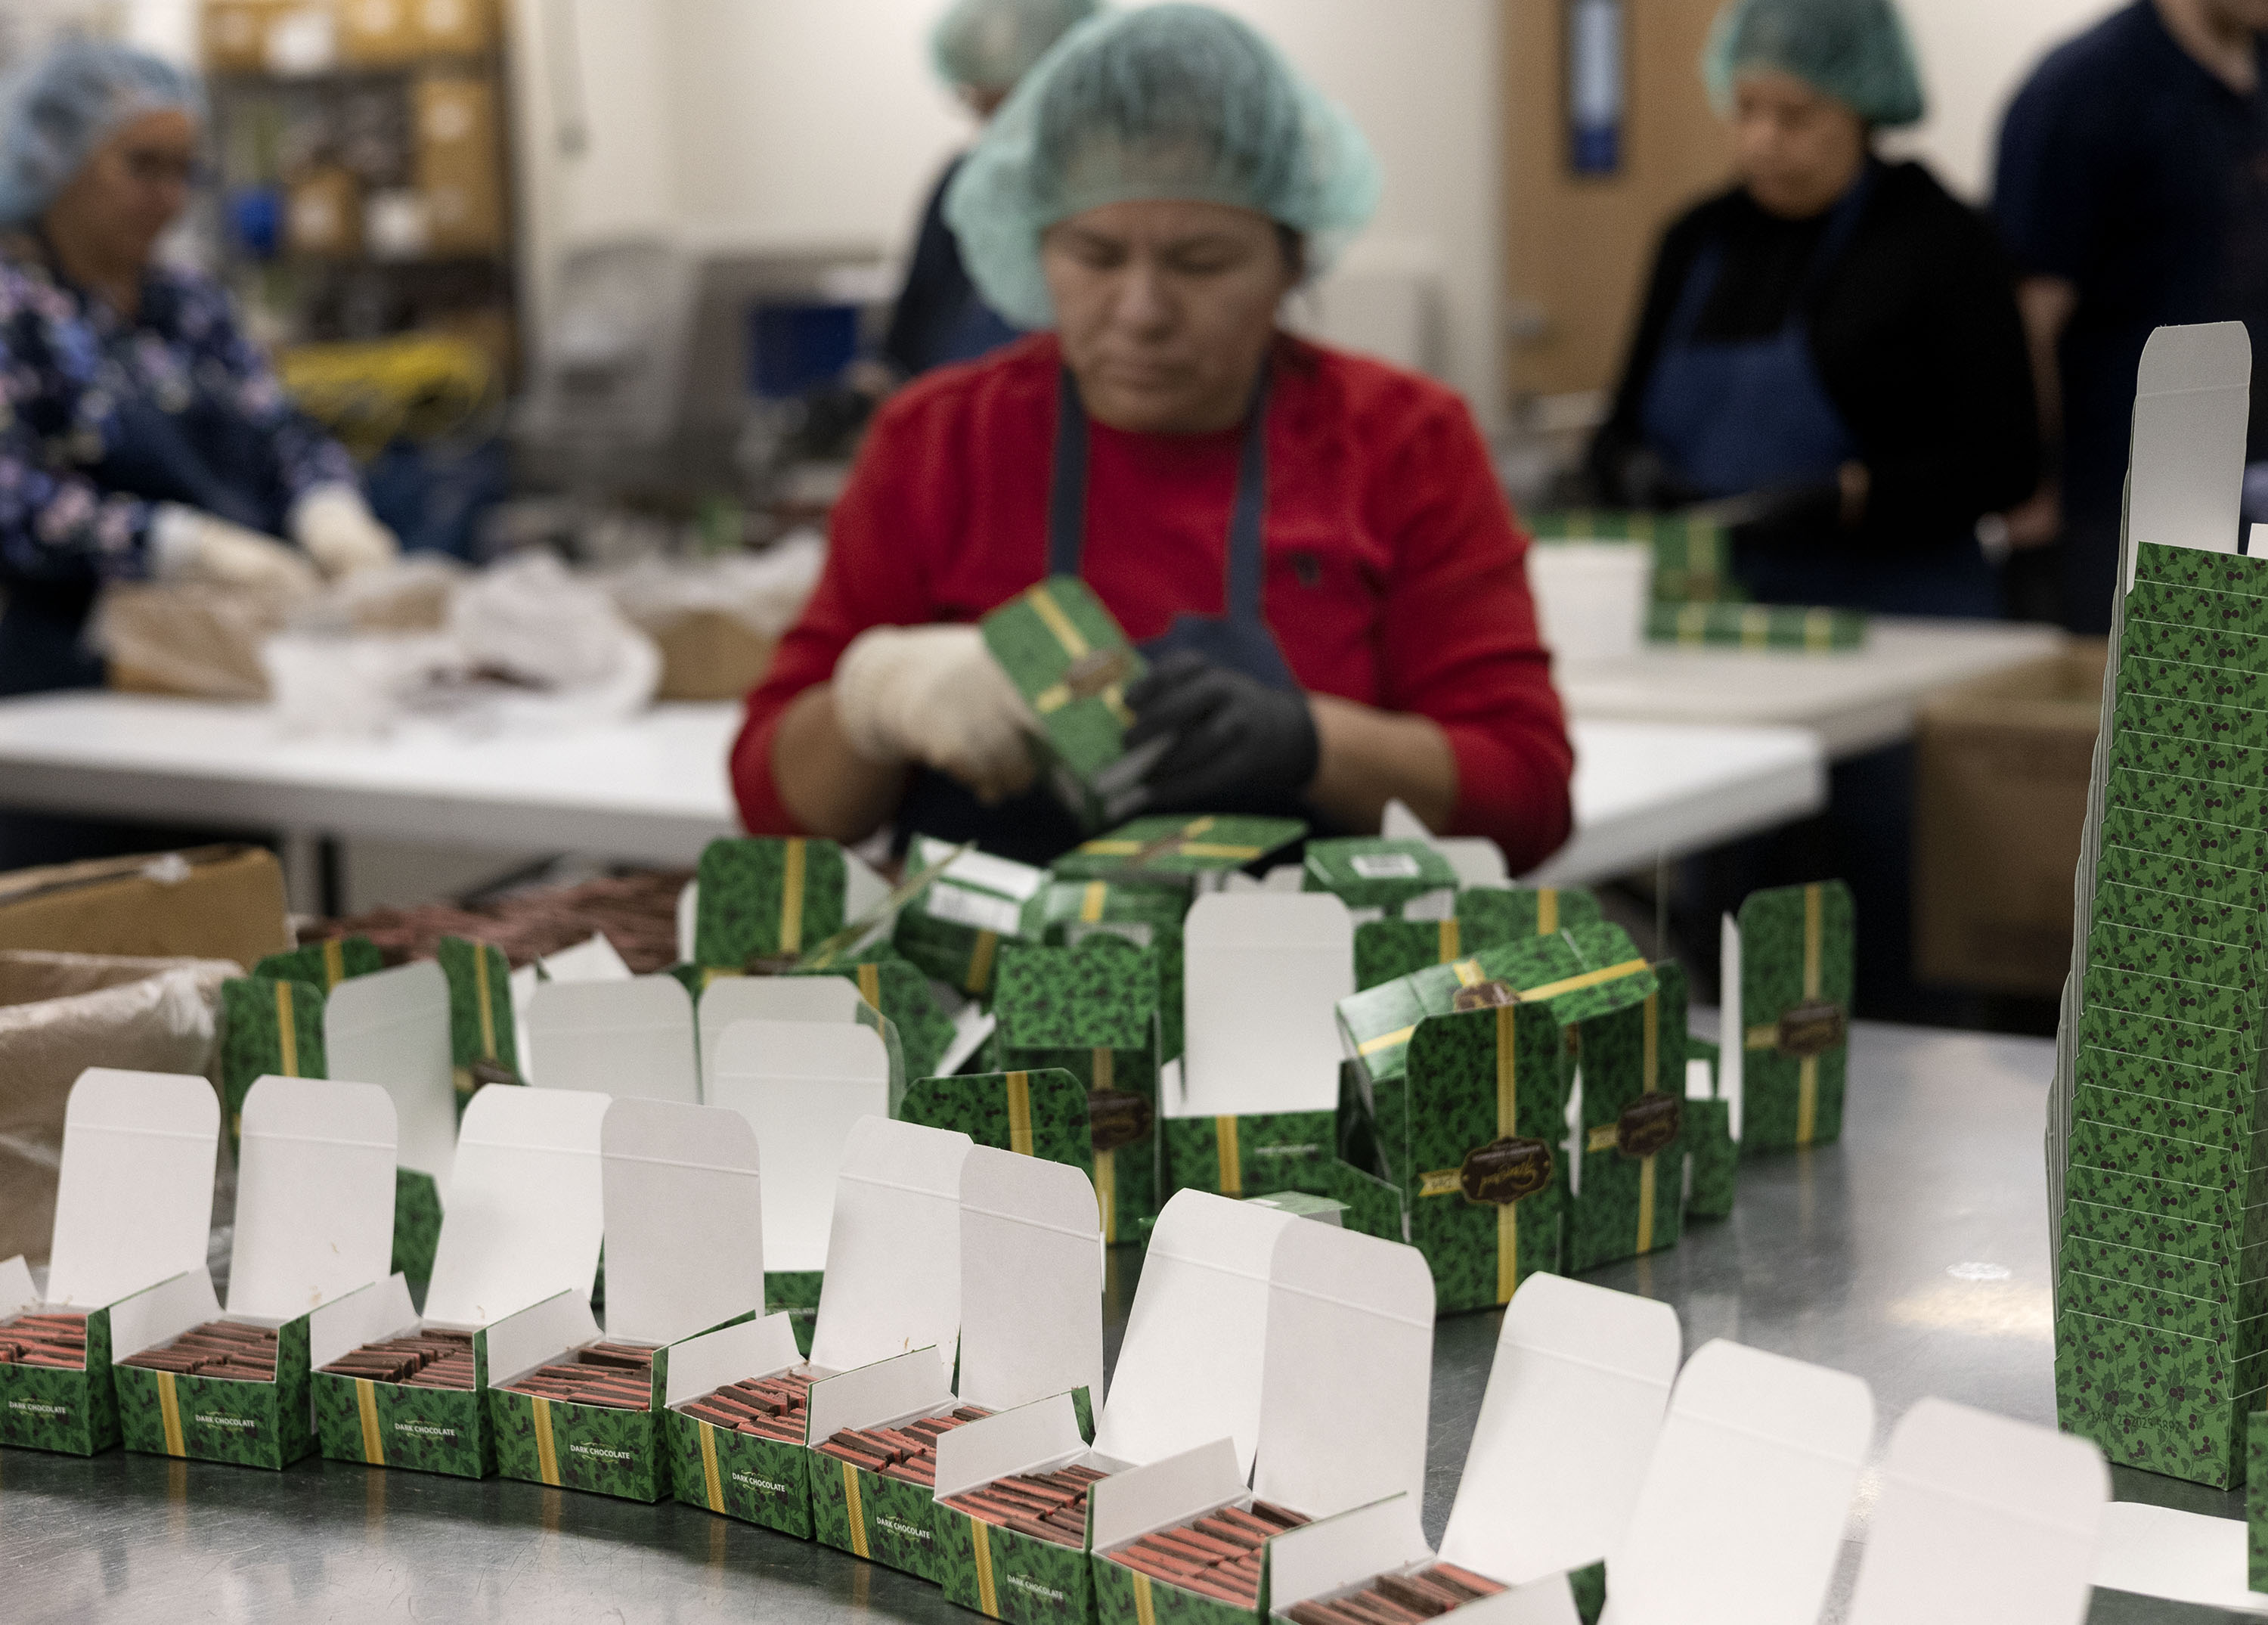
(1580, 247)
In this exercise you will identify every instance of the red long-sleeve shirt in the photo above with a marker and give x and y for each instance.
(1395, 573)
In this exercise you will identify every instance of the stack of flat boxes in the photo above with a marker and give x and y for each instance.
(2164, 1273)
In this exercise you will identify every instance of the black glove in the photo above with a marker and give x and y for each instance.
(1238, 744)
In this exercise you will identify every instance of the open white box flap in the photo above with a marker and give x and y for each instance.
(16, 1292)
(685, 1219)
(134, 1195)
(391, 1028)
(1027, 1439)
(1477, 860)
(803, 1087)
(1188, 1367)
(703, 1364)
(1031, 1280)
(1345, 1549)
(863, 888)
(366, 1315)
(162, 1313)
(1981, 1520)
(2161, 1551)
(1162, 1493)
(624, 1038)
(1741, 1517)
(1262, 976)
(314, 1195)
(1730, 1022)
(729, 999)
(903, 1385)
(893, 1280)
(688, 915)
(594, 959)
(1347, 1370)
(1019, 881)
(528, 1212)
(538, 1335)
(2192, 402)
(1575, 1401)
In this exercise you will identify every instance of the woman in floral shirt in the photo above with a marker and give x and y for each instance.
(141, 435)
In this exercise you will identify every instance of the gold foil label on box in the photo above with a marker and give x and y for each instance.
(1117, 1117)
(1497, 1174)
(1647, 1125)
(1485, 996)
(1803, 1031)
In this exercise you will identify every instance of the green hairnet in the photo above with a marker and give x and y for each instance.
(1169, 101)
(54, 112)
(1857, 51)
(988, 44)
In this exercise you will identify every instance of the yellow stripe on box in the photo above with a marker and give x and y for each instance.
(1765, 1036)
(169, 1413)
(1232, 1161)
(1215, 849)
(1755, 627)
(1807, 1099)
(335, 963)
(1645, 1205)
(1650, 1066)
(988, 1599)
(1507, 1123)
(857, 1511)
(1146, 1611)
(1818, 629)
(1806, 1073)
(1052, 699)
(1603, 1138)
(1447, 947)
(870, 985)
(1019, 1113)
(1468, 972)
(1547, 911)
(980, 963)
(373, 1442)
(1074, 643)
(1106, 1193)
(790, 931)
(481, 997)
(709, 1474)
(1812, 931)
(1092, 900)
(1385, 1041)
(1589, 978)
(287, 1035)
(546, 1448)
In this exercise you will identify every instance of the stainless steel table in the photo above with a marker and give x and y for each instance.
(1913, 1253)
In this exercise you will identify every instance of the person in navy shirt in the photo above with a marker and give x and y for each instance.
(2131, 193)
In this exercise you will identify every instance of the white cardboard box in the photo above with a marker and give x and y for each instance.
(1263, 977)
(631, 1038)
(391, 1028)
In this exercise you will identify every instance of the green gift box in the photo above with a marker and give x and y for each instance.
(897, 989)
(1627, 1194)
(1362, 1200)
(1092, 1011)
(1486, 917)
(484, 1043)
(1692, 556)
(873, 1515)
(954, 928)
(1366, 872)
(763, 900)
(1176, 851)
(739, 1475)
(242, 1423)
(324, 964)
(1040, 1113)
(1072, 663)
(1070, 911)
(1786, 999)
(392, 1424)
(268, 1028)
(1712, 1155)
(999, 1572)
(2256, 1500)
(1756, 626)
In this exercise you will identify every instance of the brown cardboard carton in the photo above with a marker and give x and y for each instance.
(2001, 777)
(235, 34)
(377, 34)
(452, 27)
(222, 902)
(459, 168)
(325, 217)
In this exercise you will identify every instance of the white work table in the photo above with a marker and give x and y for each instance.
(1855, 700)
(653, 789)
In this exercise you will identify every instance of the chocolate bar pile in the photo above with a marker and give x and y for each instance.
(620, 1375)
(428, 1360)
(217, 1349)
(1396, 1599)
(909, 1452)
(762, 1407)
(1047, 1506)
(55, 1341)
(1217, 1556)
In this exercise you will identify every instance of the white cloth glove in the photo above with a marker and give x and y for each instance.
(187, 544)
(339, 531)
(935, 695)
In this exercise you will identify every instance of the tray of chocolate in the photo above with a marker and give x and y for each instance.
(764, 1408)
(55, 1341)
(1047, 1506)
(620, 1375)
(1217, 1556)
(907, 1452)
(1394, 1599)
(226, 1348)
(434, 1359)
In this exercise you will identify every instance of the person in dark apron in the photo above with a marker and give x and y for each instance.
(1311, 548)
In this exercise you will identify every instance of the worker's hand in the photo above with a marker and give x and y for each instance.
(186, 544)
(339, 531)
(1236, 743)
(936, 696)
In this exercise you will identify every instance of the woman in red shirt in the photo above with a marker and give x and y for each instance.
(1312, 547)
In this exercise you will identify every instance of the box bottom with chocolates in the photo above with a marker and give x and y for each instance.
(226, 1391)
(1213, 1565)
(740, 1450)
(1422, 1593)
(412, 1401)
(54, 1382)
(587, 1419)
(875, 1492)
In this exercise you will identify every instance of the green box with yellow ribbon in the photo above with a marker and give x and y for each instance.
(1756, 626)
(1072, 663)
(765, 901)
(324, 964)
(1040, 1113)
(1374, 872)
(484, 1043)
(1713, 1155)
(245, 1424)
(1071, 910)
(1629, 1149)
(1172, 850)
(385, 1424)
(954, 928)
(1486, 917)
(44, 1408)
(1797, 949)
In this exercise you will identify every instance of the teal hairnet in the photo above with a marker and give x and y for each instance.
(54, 112)
(1169, 101)
(1857, 51)
(988, 44)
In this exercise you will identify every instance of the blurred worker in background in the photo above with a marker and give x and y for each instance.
(1832, 343)
(981, 48)
(141, 434)
(1313, 548)
(2132, 191)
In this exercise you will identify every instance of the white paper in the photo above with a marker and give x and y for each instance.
(803, 1087)
(1732, 1030)
(1264, 975)
(314, 1195)
(391, 1028)
(826, 999)
(529, 1211)
(1018, 881)
(1031, 1280)
(2156, 1551)
(631, 1038)
(133, 1193)
(685, 1227)
(892, 1279)
(2191, 407)
(1982, 1521)
(1739, 1520)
